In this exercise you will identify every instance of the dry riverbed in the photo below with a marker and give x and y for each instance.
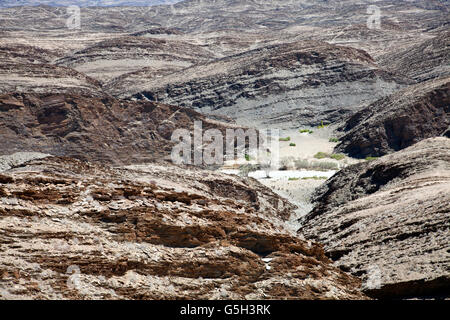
(297, 184)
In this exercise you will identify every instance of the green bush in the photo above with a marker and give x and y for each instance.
(292, 145)
(315, 178)
(335, 140)
(322, 125)
(247, 157)
(337, 156)
(285, 139)
(302, 164)
(245, 169)
(306, 131)
(294, 179)
(371, 158)
(321, 155)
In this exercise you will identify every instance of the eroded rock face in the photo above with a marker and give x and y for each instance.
(424, 61)
(98, 129)
(398, 121)
(118, 56)
(387, 221)
(26, 68)
(70, 229)
(296, 83)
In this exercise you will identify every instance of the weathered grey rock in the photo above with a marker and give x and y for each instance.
(398, 121)
(293, 84)
(388, 221)
(16, 159)
(423, 61)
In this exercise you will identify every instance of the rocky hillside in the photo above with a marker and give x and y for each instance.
(398, 121)
(215, 15)
(227, 57)
(25, 68)
(73, 230)
(85, 3)
(300, 83)
(425, 61)
(97, 129)
(92, 208)
(113, 57)
(387, 221)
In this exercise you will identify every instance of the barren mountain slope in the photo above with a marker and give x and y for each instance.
(425, 61)
(70, 229)
(296, 83)
(387, 221)
(100, 129)
(114, 57)
(28, 69)
(92, 208)
(21, 53)
(214, 15)
(398, 121)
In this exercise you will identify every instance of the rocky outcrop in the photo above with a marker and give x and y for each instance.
(41, 78)
(296, 83)
(96, 129)
(398, 121)
(387, 221)
(74, 230)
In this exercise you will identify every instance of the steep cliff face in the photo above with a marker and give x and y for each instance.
(97, 129)
(387, 221)
(296, 83)
(70, 229)
(398, 121)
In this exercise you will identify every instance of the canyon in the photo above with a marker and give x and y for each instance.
(93, 207)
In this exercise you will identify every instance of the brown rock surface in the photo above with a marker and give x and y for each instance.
(398, 121)
(25, 68)
(70, 229)
(387, 221)
(99, 129)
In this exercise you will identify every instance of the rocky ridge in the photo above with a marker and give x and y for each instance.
(104, 129)
(25, 68)
(398, 121)
(114, 57)
(300, 83)
(387, 221)
(74, 230)
(422, 62)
